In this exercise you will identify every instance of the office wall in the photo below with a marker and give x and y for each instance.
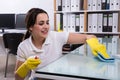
(22, 6)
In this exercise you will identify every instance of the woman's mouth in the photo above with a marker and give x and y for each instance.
(44, 32)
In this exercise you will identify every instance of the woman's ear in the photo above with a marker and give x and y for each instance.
(30, 29)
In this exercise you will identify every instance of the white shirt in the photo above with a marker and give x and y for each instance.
(50, 51)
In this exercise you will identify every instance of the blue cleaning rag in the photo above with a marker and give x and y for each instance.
(111, 59)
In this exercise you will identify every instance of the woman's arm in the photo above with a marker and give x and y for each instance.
(75, 38)
(23, 68)
(18, 64)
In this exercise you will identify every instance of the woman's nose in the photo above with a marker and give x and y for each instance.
(46, 25)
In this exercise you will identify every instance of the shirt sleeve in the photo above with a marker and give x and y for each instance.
(20, 54)
(62, 37)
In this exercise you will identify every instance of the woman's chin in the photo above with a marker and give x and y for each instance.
(45, 35)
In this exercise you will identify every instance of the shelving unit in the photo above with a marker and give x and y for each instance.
(110, 17)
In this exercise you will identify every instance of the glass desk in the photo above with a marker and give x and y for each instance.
(75, 67)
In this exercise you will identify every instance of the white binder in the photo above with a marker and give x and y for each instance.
(104, 41)
(72, 6)
(109, 44)
(115, 22)
(63, 5)
(94, 22)
(116, 4)
(81, 22)
(112, 4)
(67, 5)
(77, 5)
(100, 39)
(89, 5)
(68, 23)
(99, 4)
(89, 22)
(65, 27)
(72, 22)
(94, 5)
(100, 23)
(115, 44)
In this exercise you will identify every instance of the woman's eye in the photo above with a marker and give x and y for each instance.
(41, 23)
(47, 23)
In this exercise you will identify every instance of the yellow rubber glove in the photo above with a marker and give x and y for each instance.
(29, 64)
(97, 47)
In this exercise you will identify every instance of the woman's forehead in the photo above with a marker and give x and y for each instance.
(42, 16)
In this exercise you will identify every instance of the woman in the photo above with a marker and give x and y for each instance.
(47, 45)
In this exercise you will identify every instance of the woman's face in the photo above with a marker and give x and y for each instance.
(41, 26)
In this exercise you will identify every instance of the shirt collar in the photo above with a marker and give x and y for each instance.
(34, 49)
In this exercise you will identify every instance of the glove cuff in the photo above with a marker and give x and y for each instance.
(23, 70)
(95, 40)
(92, 41)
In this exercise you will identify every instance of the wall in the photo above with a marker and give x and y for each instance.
(22, 6)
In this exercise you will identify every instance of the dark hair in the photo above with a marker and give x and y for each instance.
(31, 19)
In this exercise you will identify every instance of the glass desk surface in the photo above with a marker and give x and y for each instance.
(76, 66)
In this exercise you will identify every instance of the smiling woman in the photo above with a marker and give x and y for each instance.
(40, 41)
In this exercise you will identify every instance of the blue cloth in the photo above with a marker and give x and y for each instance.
(111, 59)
